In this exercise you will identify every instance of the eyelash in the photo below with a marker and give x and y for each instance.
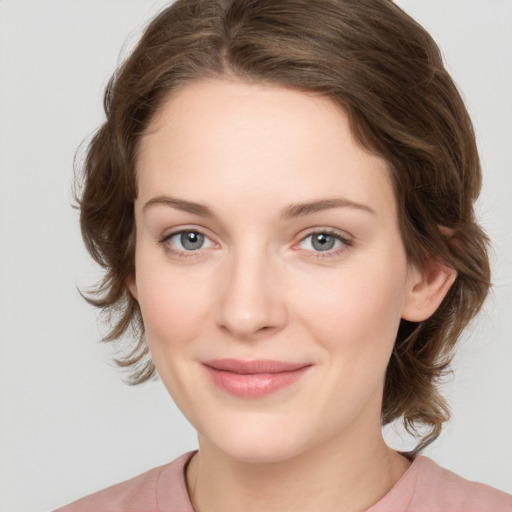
(346, 243)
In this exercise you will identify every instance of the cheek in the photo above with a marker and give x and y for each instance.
(173, 302)
(357, 308)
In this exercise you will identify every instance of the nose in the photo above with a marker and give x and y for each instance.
(252, 303)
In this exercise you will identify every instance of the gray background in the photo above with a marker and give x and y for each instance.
(68, 425)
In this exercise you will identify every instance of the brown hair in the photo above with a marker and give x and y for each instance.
(387, 73)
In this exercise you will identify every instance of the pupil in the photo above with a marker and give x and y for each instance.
(191, 240)
(323, 242)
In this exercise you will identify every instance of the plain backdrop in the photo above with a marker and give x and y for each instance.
(68, 423)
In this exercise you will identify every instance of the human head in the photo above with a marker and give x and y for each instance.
(386, 73)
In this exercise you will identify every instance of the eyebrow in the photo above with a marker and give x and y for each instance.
(301, 209)
(290, 211)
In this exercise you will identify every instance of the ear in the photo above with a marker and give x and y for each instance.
(427, 287)
(131, 284)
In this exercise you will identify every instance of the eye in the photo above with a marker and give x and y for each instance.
(184, 241)
(325, 242)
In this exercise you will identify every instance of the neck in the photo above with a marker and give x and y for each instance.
(338, 475)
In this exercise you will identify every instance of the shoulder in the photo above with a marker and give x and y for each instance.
(442, 490)
(159, 489)
(427, 487)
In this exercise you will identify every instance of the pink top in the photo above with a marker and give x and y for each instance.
(425, 487)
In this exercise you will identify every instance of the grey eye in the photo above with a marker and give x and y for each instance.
(322, 241)
(191, 240)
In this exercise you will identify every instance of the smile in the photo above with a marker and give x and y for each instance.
(253, 379)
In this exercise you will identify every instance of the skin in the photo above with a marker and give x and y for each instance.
(259, 288)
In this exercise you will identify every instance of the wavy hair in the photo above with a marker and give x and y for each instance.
(386, 72)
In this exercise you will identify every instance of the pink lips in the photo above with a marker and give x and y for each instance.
(253, 379)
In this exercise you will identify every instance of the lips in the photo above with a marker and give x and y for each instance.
(253, 379)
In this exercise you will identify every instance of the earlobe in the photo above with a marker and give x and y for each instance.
(427, 287)
(131, 284)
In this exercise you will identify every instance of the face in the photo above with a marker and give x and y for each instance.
(270, 270)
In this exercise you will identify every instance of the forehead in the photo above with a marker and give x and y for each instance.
(219, 138)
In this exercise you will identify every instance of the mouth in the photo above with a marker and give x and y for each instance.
(253, 379)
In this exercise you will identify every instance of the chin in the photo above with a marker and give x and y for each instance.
(258, 442)
(259, 453)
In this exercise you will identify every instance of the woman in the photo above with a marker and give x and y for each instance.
(282, 199)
